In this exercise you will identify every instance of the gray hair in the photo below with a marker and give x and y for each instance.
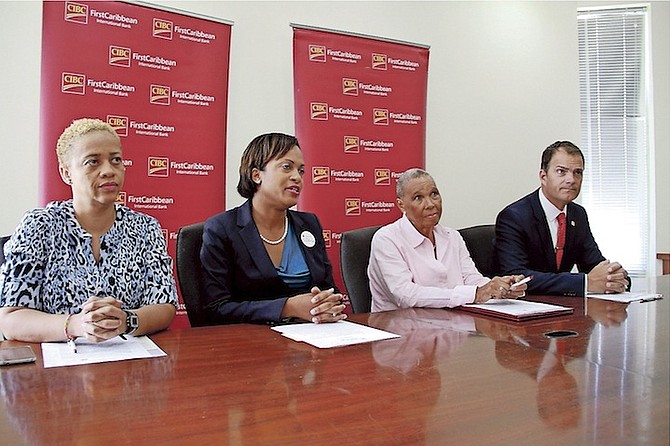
(406, 177)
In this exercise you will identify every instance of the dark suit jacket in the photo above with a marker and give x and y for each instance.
(523, 246)
(241, 283)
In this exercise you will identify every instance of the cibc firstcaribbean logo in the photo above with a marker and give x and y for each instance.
(76, 13)
(382, 177)
(162, 29)
(351, 144)
(318, 111)
(119, 56)
(73, 83)
(352, 206)
(326, 237)
(121, 198)
(119, 124)
(317, 53)
(160, 95)
(320, 175)
(379, 61)
(158, 167)
(380, 116)
(349, 86)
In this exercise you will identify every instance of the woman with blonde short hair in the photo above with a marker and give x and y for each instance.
(86, 267)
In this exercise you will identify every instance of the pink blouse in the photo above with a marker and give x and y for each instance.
(404, 272)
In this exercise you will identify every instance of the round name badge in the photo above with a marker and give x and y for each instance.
(308, 239)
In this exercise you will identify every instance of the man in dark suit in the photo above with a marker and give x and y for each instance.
(529, 240)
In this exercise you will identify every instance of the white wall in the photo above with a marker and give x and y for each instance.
(503, 84)
(20, 34)
(660, 24)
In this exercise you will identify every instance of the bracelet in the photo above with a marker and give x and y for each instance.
(67, 323)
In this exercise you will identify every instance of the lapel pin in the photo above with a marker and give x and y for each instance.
(308, 239)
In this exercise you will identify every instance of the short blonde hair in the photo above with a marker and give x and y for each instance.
(80, 127)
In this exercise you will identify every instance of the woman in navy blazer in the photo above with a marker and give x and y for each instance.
(262, 262)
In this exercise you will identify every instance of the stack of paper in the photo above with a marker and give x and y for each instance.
(626, 297)
(333, 335)
(516, 310)
(57, 354)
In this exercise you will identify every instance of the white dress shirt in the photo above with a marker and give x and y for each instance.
(551, 213)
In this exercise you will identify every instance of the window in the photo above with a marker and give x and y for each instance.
(613, 72)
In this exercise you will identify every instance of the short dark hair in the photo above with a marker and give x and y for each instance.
(567, 146)
(258, 153)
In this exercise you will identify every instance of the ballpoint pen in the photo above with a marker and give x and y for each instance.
(651, 299)
(522, 281)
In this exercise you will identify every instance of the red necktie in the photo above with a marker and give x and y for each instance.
(560, 240)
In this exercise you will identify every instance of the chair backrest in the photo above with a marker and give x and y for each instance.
(189, 272)
(3, 240)
(480, 241)
(354, 259)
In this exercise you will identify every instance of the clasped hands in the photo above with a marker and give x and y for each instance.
(501, 288)
(607, 277)
(317, 306)
(101, 318)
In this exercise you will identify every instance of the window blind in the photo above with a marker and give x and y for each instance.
(614, 126)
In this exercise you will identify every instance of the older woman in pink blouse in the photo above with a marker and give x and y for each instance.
(416, 262)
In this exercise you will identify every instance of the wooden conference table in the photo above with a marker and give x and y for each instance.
(452, 378)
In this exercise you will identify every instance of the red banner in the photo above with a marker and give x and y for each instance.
(160, 79)
(360, 108)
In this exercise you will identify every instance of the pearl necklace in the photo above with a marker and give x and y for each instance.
(281, 239)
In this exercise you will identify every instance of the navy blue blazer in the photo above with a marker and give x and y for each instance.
(241, 282)
(523, 246)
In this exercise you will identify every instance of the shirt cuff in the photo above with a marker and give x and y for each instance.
(463, 294)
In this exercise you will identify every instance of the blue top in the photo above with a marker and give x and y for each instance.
(293, 269)
(241, 284)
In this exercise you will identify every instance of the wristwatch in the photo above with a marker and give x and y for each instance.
(132, 322)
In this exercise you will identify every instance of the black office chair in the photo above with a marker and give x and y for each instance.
(189, 272)
(480, 241)
(3, 240)
(354, 259)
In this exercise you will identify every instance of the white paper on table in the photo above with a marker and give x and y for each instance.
(626, 297)
(514, 307)
(59, 354)
(333, 335)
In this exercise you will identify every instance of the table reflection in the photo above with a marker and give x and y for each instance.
(424, 334)
(409, 364)
(606, 312)
(558, 402)
(65, 402)
(531, 350)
